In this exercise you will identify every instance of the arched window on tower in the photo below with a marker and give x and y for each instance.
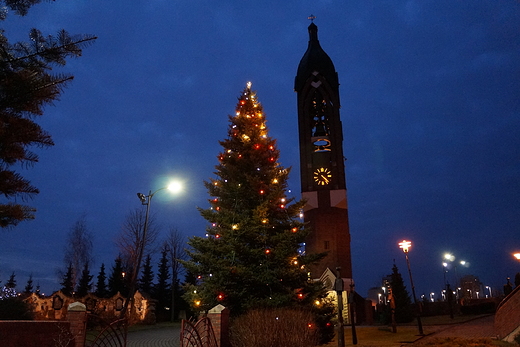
(320, 130)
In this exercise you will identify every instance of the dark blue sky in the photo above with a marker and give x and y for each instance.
(430, 110)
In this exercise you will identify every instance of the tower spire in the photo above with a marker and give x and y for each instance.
(322, 168)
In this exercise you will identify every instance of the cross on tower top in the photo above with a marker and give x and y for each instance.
(311, 18)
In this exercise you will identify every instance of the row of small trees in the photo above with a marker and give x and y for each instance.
(78, 281)
(163, 287)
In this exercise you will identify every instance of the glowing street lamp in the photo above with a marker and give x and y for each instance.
(517, 256)
(405, 246)
(449, 257)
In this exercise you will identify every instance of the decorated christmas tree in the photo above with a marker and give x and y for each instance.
(251, 256)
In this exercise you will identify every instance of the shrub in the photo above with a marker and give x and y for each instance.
(286, 327)
(15, 308)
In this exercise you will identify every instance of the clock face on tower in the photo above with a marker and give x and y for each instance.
(322, 176)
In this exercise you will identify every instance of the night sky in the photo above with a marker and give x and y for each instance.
(430, 94)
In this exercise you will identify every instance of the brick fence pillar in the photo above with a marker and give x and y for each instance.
(219, 316)
(77, 316)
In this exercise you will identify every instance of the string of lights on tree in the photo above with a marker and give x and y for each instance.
(251, 255)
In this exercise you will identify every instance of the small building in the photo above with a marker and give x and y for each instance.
(54, 307)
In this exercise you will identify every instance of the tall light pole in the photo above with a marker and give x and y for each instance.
(445, 270)
(405, 246)
(145, 200)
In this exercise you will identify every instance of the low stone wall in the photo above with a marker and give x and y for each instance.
(507, 316)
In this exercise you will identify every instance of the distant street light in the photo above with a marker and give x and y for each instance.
(449, 257)
(405, 246)
(145, 200)
(448, 262)
(517, 256)
(489, 290)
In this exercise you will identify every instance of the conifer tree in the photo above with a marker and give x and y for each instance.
(403, 302)
(27, 85)
(101, 284)
(67, 284)
(84, 284)
(29, 286)
(146, 280)
(11, 283)
(162, 288)
(116, 281)
(9, 289)
(250, 257)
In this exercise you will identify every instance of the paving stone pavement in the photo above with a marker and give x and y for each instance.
(160, 337)
(169, 336)
(477, 328)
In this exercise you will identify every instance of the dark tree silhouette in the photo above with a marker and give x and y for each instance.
(29, 286)
(403, 302)
(67, 286)
(131, 242)
(116, 281)
(9, 289)
(101, 284)
(85, 282)
(175, 244)
(162, 288)
(78, 249)
(146, 280)
(26, 86)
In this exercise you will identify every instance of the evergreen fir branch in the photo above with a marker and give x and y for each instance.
(51, 50)
(12, 214)
(21, 7)
(13, 184)
(26, 86)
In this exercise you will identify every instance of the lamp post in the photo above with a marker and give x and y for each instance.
(405, 246)
(145, 200)
(338, 287)
(489, 291)
(445, 270)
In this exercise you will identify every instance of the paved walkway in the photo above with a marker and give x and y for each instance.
(159, 337)
(477, 328)
(169, 336)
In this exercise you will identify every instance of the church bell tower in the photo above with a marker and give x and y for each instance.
(322, 167)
